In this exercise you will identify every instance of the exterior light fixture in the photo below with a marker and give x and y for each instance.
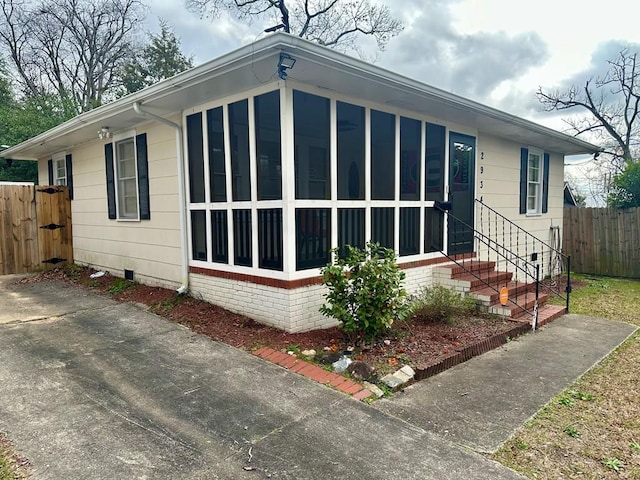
(286, 62)
(104, 133)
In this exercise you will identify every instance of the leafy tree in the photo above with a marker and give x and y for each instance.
(334, 23)
(625, 188)
(612, 105)
(21, 120)
(160, 59)
(19, 171)
(74, 49)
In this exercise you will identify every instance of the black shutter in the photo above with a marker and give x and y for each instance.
(111, 187)
(545, 184)
(50, 170)
(143, 176)
(69, 169)
(524, 162)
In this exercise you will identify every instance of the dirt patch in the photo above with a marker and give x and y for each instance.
(418, 343)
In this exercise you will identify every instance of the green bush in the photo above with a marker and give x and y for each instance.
(365, 291)
(441, 304)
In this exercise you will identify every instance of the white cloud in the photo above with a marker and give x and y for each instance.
(495, 51)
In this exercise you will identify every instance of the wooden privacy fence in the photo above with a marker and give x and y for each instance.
(603, 241)
(35, 228)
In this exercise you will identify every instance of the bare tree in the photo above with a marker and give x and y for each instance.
(612, 103)
(74, 48)
(334, 23)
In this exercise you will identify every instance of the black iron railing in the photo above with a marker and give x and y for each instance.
(554, 266)
(505, 256)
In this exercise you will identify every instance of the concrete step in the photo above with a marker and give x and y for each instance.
(490, 295)
(453, 270)
(548, 313)
(481, 279)
(513, 310)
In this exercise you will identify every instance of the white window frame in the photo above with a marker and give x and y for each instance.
(59, 161)
(530, 183)
(117, 139)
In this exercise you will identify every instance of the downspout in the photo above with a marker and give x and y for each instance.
(184, 254)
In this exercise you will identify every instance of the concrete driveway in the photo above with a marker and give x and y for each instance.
(94, 389)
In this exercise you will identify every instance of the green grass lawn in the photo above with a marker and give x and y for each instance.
(8, 469)
(591, 430)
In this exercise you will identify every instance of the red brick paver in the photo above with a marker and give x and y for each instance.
(309, 370)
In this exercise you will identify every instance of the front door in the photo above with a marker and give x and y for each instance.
(462, 154)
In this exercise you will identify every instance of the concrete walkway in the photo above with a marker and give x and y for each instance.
(480, 403)
(94, 389)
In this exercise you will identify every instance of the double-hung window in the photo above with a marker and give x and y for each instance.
(59, 170)
(127, 172)
(126, 179)
(534, 181)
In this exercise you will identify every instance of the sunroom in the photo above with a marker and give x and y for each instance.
(244, 173)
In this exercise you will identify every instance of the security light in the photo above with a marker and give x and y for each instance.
(286, 62)
(104, 133)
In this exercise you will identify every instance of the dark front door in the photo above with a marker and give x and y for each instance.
(462, 154)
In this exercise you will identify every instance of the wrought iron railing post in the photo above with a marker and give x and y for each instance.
(535, 305)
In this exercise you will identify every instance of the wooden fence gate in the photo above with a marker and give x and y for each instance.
(35, 228)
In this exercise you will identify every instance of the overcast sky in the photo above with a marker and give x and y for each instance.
(497, 52)
(494, 51)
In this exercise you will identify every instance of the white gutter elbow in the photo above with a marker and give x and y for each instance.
(184, 242)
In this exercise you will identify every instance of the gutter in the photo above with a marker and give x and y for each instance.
(184, 244)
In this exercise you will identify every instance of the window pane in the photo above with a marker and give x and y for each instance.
(410, 142)
(409, 231)
(350, 228)
(434, 160)
(312, 145)
(219, 236)
(196, 158)
(126, 179)
(350, 151)
(61, 172)
(239, 140)
(130, 207)
(242, 237)
(382, 226)
(198, 235)
(434, 230)
(267, 112)
(383, 155)
(215, 136)
(270, 238)
(313, 233)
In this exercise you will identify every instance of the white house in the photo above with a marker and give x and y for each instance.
(235, 178)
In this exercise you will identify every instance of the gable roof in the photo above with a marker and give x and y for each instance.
(256, 63)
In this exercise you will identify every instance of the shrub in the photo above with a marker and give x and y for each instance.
(441, 304)
(365, 291)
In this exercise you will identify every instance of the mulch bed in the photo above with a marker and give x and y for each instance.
(428, 347)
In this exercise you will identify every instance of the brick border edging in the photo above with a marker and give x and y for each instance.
(472, 351)
(357, 391)
(313, 372)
